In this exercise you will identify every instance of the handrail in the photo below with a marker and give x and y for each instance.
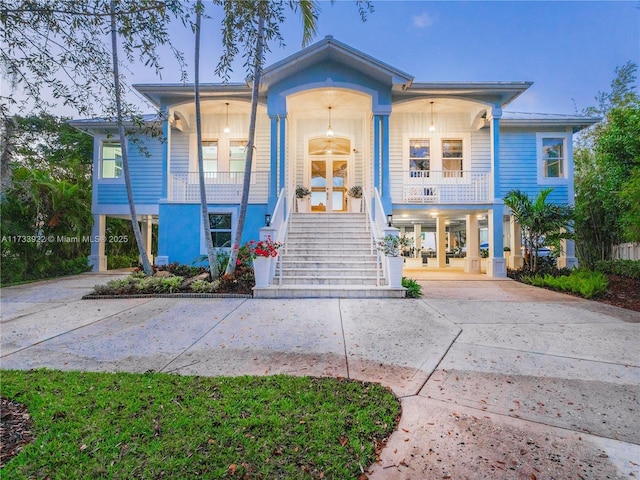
(284, 230)
(372, 227)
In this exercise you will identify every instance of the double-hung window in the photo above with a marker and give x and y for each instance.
(210, 156)
(553, 157)
(111, 160)
(237, 156)
(220, 227)
(419, 157)
(452, 158)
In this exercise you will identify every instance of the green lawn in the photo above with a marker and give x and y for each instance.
(125, 426)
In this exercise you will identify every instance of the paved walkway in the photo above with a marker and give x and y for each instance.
(489, 372)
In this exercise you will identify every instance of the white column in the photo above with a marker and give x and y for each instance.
(496, 266)
(568, 258)
(417, 239)
(146, 230)
(97, 259)
(516, 260)
(472, 259)
(441, 239)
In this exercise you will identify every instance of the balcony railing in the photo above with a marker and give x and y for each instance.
(439, 187)
(220, 187)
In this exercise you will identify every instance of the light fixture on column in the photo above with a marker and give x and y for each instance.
(226, 125)
(389, 220)
(267, 219)
(329, 128)
(432, 127)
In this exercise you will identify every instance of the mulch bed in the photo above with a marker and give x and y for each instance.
(622, 292)
(15, 429)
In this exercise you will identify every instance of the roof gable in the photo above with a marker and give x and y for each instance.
(331, 49)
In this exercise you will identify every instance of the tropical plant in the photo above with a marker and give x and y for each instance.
(607, 171)
(302, 192)
(204, 209)
(414, 289)
(253, 24)
(542, 223)
(391, 245)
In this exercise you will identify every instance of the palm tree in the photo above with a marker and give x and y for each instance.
(211, 254)
(541, 222)
(146, 266)
(267, 15)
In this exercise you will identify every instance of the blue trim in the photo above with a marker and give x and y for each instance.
(386, 175)
(273, 187)
(495, 154)
(497, 242)
(376, 152)
(165, 154)
(283, 138)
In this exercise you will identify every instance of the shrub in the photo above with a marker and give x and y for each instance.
(203, 286)
(180, 270)
(583, 282)
(414, 289)
(121, 261)
(624, 268)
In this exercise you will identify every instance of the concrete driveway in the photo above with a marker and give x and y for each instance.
(497, 379)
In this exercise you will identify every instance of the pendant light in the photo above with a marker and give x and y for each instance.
(226, 126)
(329, 128)
(432, 127)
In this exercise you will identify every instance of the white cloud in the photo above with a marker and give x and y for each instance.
(422, 21)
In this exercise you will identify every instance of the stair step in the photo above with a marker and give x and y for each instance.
(328, 291)
(328, 256)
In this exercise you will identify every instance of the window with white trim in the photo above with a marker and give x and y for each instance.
(237, 156)
(111, 160)
(220, 228)
(210, 155)
(452, 158)
(419, 157)
(553, 157)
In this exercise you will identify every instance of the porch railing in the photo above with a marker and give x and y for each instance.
(437, 187)
(220, 187)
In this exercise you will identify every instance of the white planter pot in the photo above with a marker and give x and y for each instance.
(302, 205)
(262, 271)
(355, 205)
(394, 271)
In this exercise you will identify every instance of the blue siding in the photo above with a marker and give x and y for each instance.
(179, 228)
(179, 152)
(518, 167)
(146, 177)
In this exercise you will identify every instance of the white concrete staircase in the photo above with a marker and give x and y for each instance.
(328, 255)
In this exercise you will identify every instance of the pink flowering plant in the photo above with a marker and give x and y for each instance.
(262, 248)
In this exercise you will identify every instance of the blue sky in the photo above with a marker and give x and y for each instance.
(568, 49)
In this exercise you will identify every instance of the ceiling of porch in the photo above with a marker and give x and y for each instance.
(316, 103)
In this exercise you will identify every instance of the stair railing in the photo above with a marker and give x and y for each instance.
(370, 208)
(284, 207)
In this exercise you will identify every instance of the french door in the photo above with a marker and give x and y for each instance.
(328, 184)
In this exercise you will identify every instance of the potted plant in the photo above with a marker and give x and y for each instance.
(302, 203)
(391, 245)
(355, 204)
(261, 254)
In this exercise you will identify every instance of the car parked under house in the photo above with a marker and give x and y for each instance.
(437, 156)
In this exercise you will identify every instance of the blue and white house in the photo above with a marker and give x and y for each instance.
(438, 157)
